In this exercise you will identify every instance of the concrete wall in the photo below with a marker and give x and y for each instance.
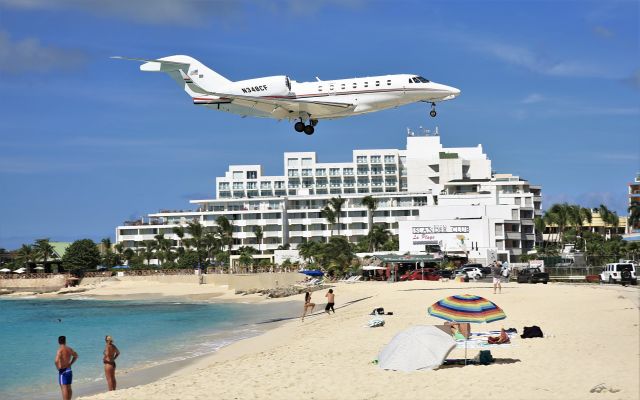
(34, 285)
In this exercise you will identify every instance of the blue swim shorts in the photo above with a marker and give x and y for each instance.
(65, 376)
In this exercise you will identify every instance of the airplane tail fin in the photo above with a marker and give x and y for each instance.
(179, 66)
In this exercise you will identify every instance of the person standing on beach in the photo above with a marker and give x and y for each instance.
(496, 272)
(65, 357)
(109, 356)
(331, 300)
(307, 304)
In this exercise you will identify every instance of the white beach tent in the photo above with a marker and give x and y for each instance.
(418, 347)
(19, 271)
(5, 270)
(371, 267)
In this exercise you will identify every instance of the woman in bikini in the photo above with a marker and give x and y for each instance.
(110, 354)
(307, 304)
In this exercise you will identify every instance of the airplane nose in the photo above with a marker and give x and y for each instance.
(454, 91)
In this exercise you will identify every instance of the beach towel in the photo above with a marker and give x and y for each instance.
(479, 340)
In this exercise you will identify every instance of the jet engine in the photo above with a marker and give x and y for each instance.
(267, 86)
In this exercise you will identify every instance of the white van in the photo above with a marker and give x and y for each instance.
(619, 273)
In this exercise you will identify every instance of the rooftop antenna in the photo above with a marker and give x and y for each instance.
(318, 79)
(410, 132)
(436, 133)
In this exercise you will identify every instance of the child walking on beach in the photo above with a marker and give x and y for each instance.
(331, 300)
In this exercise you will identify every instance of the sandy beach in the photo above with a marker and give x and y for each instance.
(591, 338)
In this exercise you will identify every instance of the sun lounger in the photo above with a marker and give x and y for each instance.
(355, 279)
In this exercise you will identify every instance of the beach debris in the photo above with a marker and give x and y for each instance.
(601, 387)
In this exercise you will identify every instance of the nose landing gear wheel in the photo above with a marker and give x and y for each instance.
(299, 127)
(309, 129)
(433, 110)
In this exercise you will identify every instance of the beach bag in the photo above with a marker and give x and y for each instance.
(531, 332)
(484, 357)
(375, 322)
(377, 311)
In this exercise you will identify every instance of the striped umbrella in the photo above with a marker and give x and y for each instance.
(466, 308)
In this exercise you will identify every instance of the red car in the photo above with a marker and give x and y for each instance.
(427, 274)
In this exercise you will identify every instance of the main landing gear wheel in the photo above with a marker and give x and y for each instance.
(309, 129)
(299, 127)
(433, 112)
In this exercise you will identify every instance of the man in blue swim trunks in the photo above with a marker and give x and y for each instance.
(65, 357)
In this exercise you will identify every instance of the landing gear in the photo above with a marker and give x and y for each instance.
(433, 112)
(307, 129)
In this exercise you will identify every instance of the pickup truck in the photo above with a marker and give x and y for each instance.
(532, 275)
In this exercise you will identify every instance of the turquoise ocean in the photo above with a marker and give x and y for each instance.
(148, 333)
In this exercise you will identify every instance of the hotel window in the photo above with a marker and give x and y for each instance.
(306, 162)
(321, 172)
(293, 172)
(224, 186)
(334, 171)
(347, 171)
(279, 184)
(375, 159)
(363, 171)
(307, 172)
(361, 159)
(237, 174)
(252, 175)
(251, 185)
(265, 185)
(237, 185)
(389, 159)
(292, 162)
(377, 83)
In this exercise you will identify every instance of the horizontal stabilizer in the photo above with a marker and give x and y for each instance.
(151, 65)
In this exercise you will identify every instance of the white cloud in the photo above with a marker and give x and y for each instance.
(29, 55)
(602, 32)
(633, 80)
(533, 98)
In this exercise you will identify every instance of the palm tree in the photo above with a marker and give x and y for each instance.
(371, 205)
(558, 215)
(44, 250)
(26, 255)
(330, 215)
(609, 218)
(257, 231)
(164, 248)
(378, 236)
(307, 250)
(336, 204)
(195, 229)
(540, 225)
(634, 215)
(148, 251)
(128, 255)
(212, 244)
(225, 232)
(179, 232)
(246, 253)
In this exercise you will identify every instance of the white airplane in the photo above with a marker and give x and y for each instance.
(308, 102)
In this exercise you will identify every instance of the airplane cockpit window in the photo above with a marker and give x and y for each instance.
(288, 82)
(419, 79)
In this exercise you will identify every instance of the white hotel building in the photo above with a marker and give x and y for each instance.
(422, 184)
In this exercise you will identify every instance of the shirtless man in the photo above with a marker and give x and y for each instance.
(331, 300)
(65, 357)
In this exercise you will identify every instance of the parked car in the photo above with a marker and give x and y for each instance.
(427, 274)
(624, 273)
(473, 272)
(445, 273)
(532, 275)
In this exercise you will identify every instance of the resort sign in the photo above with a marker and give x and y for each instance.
(431, 234)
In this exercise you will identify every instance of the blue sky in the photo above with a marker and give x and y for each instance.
(550, 88)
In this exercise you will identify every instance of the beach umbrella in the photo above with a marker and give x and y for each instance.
(5, 270)
(312, 272)
(39, 268)
(418, 347)
(466, 308)
(19, 271)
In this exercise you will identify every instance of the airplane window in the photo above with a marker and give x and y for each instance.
(366, 84)
(342, 87)
(377, 83)
(330, 87)
(421, 79)
(355, 85)
(389, 82)
(411, 80)
(319, 88)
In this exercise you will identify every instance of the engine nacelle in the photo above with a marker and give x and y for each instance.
(267, 86)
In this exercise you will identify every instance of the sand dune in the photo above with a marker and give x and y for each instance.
(592, 338)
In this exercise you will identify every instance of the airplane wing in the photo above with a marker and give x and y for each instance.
(274, 105)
